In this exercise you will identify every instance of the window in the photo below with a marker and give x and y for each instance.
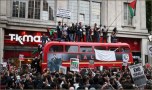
(96, 13)
(127, 16)
(51, 16)
(45, 5)
(30, 9)
(82, 18)
(71, 49)
(34, 9)
(85, 49)
(100, 47)
(19, 9)
(124, 49)
(56, 48)
(84, 12)
(116, 49)
(73, 6)
(47, 13)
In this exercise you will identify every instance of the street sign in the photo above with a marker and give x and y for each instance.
(138, 75)
(63, 13)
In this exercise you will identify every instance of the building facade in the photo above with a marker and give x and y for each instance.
(22, 23)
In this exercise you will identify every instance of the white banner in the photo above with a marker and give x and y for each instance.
(137, 74)
(150, 50)
(63, 69)
(63, 13)
(74, 64)
(103, 55)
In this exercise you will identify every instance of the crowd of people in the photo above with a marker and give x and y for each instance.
(28, 77)
(79, 33)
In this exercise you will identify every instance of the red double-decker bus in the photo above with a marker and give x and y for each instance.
(85, 52)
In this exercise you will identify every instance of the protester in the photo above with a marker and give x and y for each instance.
(44, 39)
(113, 35)
(80, 32)
(36, 64)
(51, 34)
(76, 32)
(65, 34)
(115, 30)
(72, 32)
(88, 33)
(40, 48)
(92, 34)
(96, 33)
(113, 79)
(104, 32)
(59, 30)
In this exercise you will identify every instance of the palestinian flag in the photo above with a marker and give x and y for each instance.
(51, 31)
(132, 8)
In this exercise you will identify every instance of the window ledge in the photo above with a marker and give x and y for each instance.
(130, 26)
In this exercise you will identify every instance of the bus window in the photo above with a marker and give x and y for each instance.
(124, 49)
(56, 48)
(70, 48)
(85, 49)
(100, 48)
(115, 49)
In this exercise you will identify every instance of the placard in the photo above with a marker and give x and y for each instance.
(21, 57)
(63, 13)
(74, 64)
(63, 69)
(137, 74)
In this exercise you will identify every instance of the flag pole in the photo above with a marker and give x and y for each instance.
(115, 18)
(135, 9)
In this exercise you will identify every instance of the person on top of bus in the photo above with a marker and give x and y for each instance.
(59, 30)
(44, 39)
(80, 32)
(88, 37)
(65, 32)
(96, 33)
(76, 32)
(51, 33)
(104, 32)
(71, 32)
(115, 30)
(113, 35)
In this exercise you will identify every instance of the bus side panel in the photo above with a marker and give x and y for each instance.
(43, 66)
(130, 58)
(86, 64)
